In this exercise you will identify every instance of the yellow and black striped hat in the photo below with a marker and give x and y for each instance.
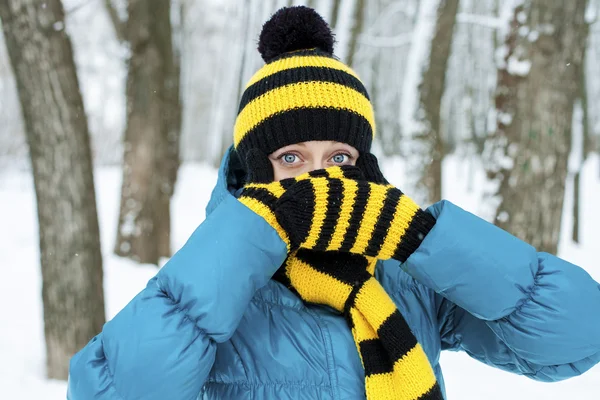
(303, 92)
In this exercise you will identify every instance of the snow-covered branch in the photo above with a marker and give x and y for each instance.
(118, 24)
(481, 20)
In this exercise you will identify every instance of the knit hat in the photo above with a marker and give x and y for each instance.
(303, 92)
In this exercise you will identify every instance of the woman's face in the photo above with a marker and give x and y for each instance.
(296, 159)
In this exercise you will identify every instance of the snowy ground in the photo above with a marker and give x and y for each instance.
(21, 332)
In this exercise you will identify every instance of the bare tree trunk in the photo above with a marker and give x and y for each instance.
(428, 173)
(576, 201)
(588, 140)
(537, 88)
(171, 127)
(357, 28)
(58, 138)
(584, 152)
(152, 133)
(413, 150)
(335, 11)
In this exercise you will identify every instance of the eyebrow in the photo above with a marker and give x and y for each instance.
(346, 147)
(290, 145)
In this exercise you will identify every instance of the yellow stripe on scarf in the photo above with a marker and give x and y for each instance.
(374, 206)
(321, 186)
(309, 282)
(374, 303)
(381, 386)
(362, 330)
(413, 367)
(405, 211)
(350, 190)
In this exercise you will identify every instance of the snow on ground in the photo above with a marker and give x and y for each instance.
(21, 330)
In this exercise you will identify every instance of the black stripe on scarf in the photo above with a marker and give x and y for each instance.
(395, 337)
(360, 203)
(262, 195)
(345, 267)
(318, 173)
(335, 197)
(383, 222)
(375, 359)
(287, 183)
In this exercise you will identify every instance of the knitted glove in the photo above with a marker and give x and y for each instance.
(369, 166)
(258, 167)
(260, 193)
(264, 198)
(337, 210)
(329, 213)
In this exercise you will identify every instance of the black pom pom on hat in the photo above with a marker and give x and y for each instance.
(294, 28)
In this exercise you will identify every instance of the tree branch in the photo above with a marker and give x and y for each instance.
(481, 20)
(118, 25)
(77, 7)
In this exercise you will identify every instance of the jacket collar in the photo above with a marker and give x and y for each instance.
(229, 179)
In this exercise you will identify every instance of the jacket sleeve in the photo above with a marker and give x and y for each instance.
(162, 344)
(506, 304)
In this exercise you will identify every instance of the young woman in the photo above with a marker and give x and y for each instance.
(313, 278)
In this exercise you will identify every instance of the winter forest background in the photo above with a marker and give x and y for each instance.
(114, 115)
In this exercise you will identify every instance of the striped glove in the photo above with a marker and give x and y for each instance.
(338, 210)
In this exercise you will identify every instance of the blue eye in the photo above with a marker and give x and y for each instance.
(340, 158)
(289, 158)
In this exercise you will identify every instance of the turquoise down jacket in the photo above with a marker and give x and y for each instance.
(212, 324)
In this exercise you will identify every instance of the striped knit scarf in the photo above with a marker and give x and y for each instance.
(341, 227)
(396, 367)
